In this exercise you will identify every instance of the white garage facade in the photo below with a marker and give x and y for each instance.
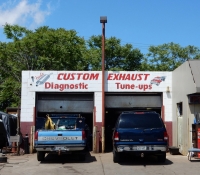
(81, 92)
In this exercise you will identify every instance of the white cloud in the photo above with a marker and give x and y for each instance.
(22, 12)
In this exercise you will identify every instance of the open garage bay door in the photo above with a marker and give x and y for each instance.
(65, 102)
(62, 103)
(116, 103)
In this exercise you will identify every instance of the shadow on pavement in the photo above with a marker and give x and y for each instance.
(148, 160)
(67, 158)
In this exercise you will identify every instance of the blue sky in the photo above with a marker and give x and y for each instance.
(139, 22)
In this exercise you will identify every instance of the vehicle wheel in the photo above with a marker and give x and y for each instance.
(116, 157)
(162, 158)
(40, 155)
(82, 157)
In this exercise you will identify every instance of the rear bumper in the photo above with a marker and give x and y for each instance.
(60, 148)
(141, 148)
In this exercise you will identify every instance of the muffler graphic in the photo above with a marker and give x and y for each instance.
(43, 79)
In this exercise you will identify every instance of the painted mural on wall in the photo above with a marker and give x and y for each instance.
(158, 80)
(91, 81)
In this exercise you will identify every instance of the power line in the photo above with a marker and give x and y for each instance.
(135, 45)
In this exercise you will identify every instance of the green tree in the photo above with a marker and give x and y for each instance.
(167, 57)
(42, 49)
(117, 57)
(15, 32)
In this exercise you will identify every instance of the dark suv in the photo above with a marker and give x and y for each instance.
(140, 133)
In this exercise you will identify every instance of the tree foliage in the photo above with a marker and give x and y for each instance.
(117, 57)
(15, 32)
(43, 49)
(168, 57)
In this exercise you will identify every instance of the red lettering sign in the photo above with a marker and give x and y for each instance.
(78, 76)
(125, 76)
(143, 87)
(62, 87)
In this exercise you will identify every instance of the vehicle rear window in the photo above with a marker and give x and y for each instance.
(148, 120)
(69, 123)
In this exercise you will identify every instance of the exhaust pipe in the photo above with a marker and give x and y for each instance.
(142, 154)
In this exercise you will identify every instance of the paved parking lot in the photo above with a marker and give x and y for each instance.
(98, 164)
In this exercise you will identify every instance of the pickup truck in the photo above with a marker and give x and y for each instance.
(140, 133)
(65, 134)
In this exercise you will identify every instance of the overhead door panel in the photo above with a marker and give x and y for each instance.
(116, 101)
(65, 106)
(65, 103)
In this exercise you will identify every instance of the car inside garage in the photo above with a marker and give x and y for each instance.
(115, 103)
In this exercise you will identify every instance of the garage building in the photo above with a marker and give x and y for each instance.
(58, 92)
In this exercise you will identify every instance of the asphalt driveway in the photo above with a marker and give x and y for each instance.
(98, 164)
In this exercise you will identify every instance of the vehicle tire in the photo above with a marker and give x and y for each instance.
(82, 157)
(116, 157)
(162, 158)
(40, 155)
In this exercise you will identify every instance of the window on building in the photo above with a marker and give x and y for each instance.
(180, 109)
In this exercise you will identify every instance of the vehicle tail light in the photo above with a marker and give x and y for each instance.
(83, 135)
(166, 137)
(36, 135)
(116, 136)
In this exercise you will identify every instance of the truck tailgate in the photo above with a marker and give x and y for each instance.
(60, 137)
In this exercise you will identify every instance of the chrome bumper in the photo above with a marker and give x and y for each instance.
(56, 148)
(140, 148)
